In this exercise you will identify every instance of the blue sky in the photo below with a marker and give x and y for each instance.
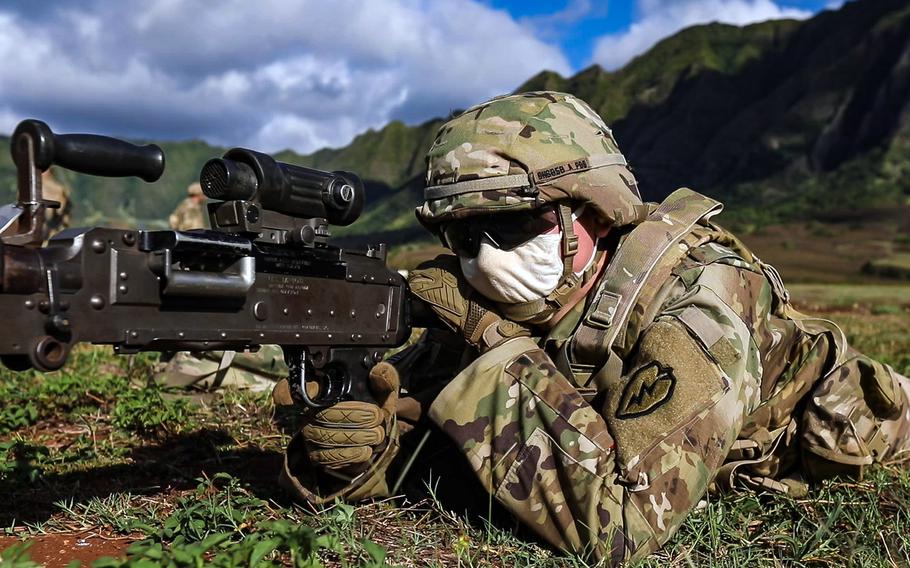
(585, 22)
(306, 74)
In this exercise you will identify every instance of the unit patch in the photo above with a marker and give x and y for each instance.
(648, 389)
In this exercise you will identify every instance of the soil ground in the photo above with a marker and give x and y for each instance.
(59, 549)
(835, 249)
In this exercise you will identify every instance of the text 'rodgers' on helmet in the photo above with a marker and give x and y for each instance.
(519, 152)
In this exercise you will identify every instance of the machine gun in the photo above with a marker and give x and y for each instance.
(264, 274)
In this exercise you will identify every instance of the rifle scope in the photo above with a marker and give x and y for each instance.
(246, 175)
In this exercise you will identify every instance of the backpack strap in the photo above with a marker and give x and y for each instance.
(655, 241)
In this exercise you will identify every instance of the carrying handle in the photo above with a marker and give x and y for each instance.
(87, 153)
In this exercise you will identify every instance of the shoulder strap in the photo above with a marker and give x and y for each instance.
(654, 241)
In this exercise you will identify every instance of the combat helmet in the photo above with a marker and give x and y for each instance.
(522, 152)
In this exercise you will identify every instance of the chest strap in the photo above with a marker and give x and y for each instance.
(627, 273)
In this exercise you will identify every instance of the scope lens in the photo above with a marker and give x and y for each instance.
(226, 179)
(214, 179)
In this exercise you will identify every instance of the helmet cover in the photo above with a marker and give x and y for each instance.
(518, 152)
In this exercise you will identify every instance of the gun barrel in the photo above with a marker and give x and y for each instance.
(88, 153)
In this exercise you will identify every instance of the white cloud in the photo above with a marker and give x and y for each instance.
(658, 19)
(8, 120)
(556, 24)
(269, 74)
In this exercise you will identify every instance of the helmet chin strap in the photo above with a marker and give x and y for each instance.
(541, 310)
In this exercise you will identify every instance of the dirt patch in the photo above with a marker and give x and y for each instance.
(53, 550)
(831, 252)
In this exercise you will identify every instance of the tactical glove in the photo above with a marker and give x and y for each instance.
(343, 451)
(347, 435)
(440, 284)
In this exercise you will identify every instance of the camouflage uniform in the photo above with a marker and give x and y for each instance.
(190, 213)
(685, 367)
(55, 220)
(210, 370)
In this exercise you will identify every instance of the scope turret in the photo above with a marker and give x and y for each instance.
(296, 191)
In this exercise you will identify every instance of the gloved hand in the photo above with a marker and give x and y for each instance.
(346, 436)
(440, 284)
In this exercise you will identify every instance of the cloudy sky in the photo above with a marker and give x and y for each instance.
(306, 74)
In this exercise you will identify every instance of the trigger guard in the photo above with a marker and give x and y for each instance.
(333, 385)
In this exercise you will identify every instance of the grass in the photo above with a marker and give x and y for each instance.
(840, 523)
(88, 455)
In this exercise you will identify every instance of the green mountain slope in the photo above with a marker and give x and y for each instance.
(649, 79)
(124, 201)
(834, 91)
(781, 120)
(390, 156)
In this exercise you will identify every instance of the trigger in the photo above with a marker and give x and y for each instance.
(298, 362)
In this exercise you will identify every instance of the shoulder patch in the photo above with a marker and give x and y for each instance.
(648, 389)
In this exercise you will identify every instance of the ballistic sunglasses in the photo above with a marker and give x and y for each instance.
(505, 231)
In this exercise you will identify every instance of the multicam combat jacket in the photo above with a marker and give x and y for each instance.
(714, 379)
(58, 218)
(189, 214)
(209, 370)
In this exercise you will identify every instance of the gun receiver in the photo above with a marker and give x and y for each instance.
(264, 274)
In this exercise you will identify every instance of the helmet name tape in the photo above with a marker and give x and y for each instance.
(541, 176)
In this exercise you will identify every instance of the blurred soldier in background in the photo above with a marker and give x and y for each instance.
(55, 220)
(212, 370)
(190, 214)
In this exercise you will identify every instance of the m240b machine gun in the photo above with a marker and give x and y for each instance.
(264, 274)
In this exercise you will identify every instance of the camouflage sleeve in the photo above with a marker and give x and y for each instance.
(537, 446)
(616, 480)
(694, 376)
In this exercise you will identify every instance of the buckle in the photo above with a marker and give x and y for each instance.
(570, 246)
(777, 283)
(604, 310)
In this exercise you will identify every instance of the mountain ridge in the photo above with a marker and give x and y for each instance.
(781, 120)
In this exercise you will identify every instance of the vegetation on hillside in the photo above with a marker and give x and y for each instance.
(649, 79)
(390, 156)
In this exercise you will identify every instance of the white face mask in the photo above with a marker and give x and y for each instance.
(527, 272)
